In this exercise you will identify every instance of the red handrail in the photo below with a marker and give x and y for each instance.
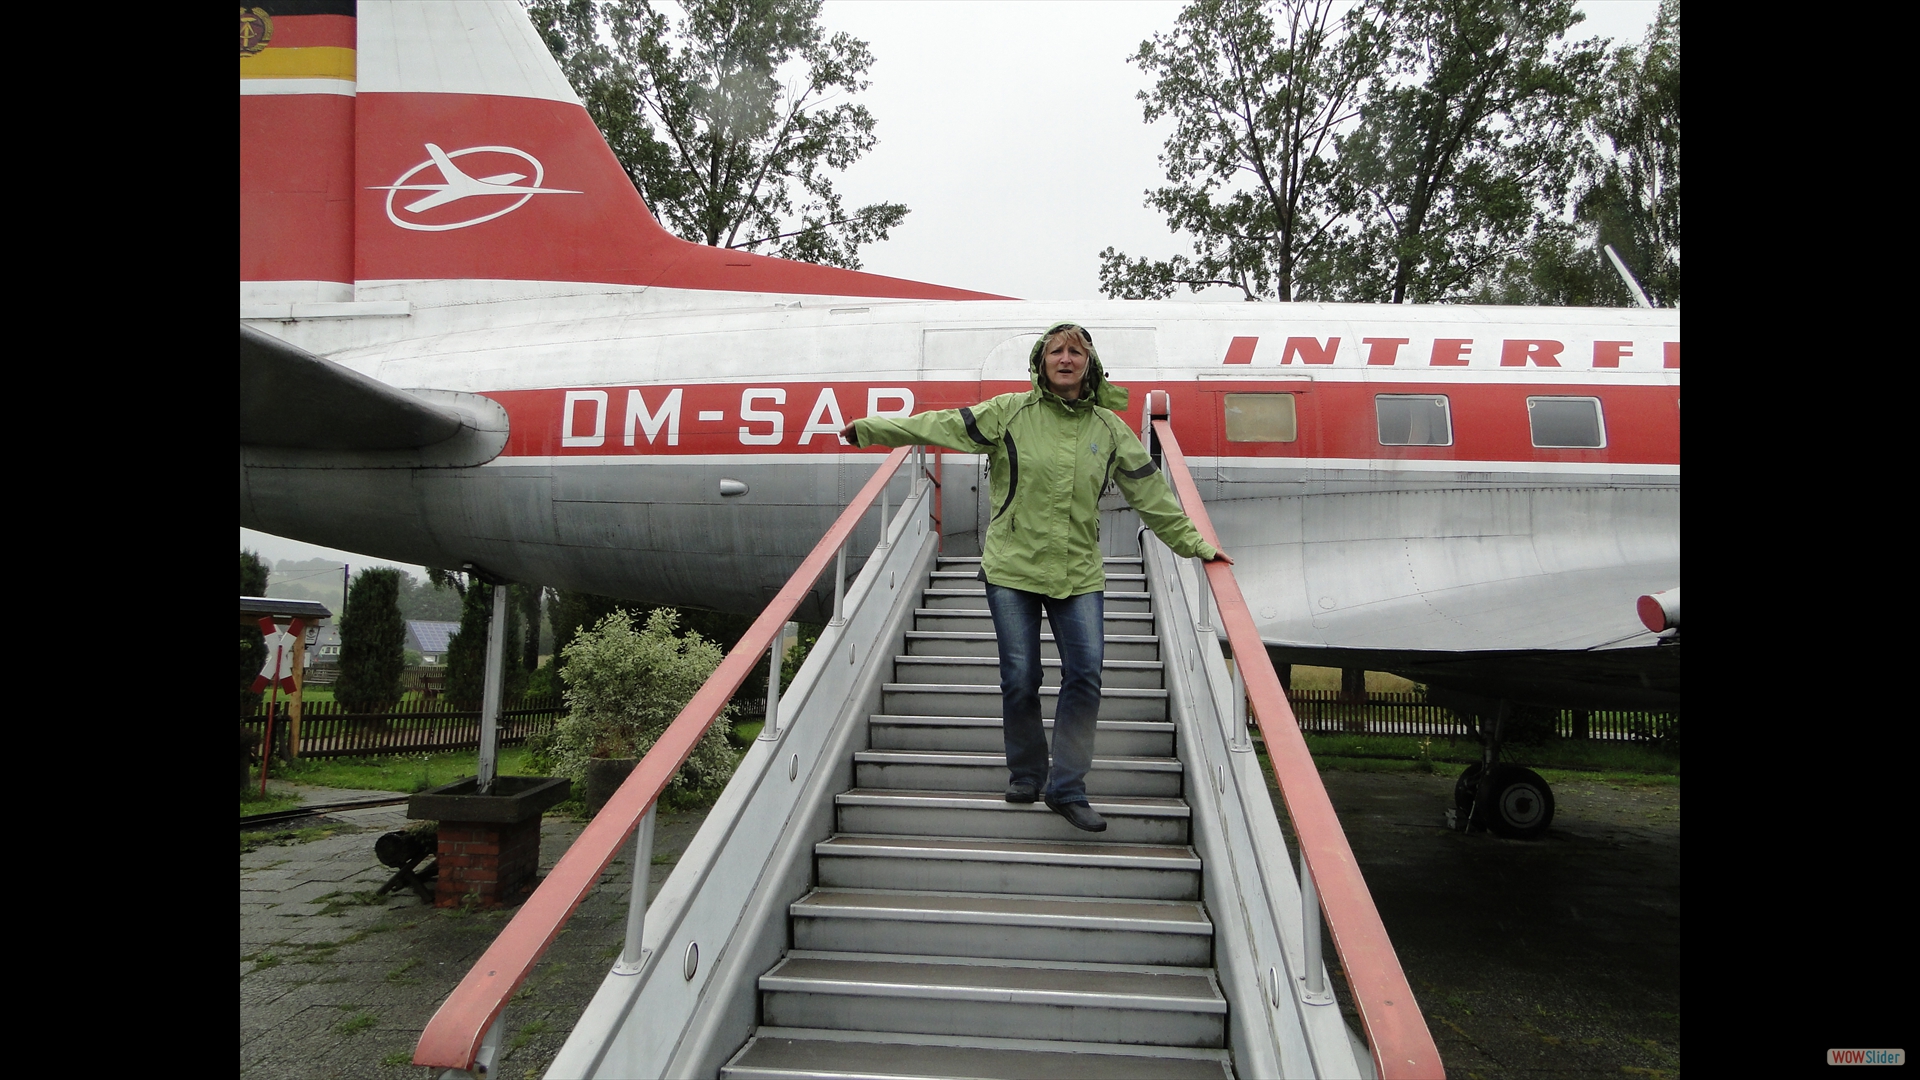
(452, 1038)
(1397, 1034)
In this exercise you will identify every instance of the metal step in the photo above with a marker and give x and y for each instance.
(959, 562)
(1120, 1003)
(972, 599)
(936, 770)
(1115, 738)
(985, 671)
(1037, 867)
(882, 811)
(785, 1053)
(960, 699)
(954, 934)
(980, 619)
(1002, 926)
(986, 643)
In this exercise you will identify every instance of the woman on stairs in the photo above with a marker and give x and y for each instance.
(1052, 450)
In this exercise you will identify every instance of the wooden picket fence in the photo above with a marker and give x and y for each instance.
(1327, 712)
(327, 730)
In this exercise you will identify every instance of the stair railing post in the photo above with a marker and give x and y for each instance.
(771, 730)
(1239, 743)
(1205, 625)
(1316, 992)
(840, 590)
(886, 515)
(631, 955)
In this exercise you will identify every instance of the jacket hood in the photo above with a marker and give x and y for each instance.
(1101, 392)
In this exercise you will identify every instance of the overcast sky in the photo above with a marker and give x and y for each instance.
(1011, 131)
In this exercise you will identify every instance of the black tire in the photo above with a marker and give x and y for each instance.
(1463, 788)
(1521, 804)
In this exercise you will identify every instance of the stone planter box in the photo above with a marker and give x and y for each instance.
(489, 847)
(514, 799)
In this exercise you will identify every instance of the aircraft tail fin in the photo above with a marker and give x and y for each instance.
(425, 140)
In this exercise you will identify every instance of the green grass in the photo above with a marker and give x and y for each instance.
(1307, 677)
(406, 773)
(251, 802)
(525, 1036)
(314, 694)
(357, 1022)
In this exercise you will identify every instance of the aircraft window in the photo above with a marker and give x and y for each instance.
(1261, 418)
(1413, 420)
(1566, 421)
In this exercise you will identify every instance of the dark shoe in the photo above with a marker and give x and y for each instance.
(1022, 791)
(1080, 816)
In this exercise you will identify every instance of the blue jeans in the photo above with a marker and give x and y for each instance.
(1079, 629)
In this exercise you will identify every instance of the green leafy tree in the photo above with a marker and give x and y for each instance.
(1631, 196)
(526, 602)
(624, 685)
(1470, 132)
(1256, 91)
(373, 643)
(433, 600)
(253, 644)
(731, 121)
(1627, 194)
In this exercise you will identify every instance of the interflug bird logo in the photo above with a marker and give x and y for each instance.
(256, 29)
(456, 185)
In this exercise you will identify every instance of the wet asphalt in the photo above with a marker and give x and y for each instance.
(1557, 957)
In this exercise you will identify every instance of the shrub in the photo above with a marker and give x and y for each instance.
(625, 685)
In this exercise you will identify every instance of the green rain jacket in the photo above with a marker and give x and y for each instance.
(1050, 458)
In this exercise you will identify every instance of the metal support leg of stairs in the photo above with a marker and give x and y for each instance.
(952, 933)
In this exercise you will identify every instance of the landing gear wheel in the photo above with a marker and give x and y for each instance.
(1463, 788)
(1521, 805)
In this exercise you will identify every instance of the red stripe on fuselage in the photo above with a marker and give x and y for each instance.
(1335, 419)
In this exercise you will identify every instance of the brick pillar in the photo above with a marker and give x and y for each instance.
(491, 862)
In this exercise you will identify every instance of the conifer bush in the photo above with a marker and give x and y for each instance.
(373, 643)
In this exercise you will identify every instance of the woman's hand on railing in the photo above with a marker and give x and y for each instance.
(1221, 557)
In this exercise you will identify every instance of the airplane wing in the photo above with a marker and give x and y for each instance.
(292, 399)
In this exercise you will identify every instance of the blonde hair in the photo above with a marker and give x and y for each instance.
(1074, 335)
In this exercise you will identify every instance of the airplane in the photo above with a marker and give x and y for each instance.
(559, 391)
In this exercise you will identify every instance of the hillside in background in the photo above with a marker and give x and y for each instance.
(320, 579)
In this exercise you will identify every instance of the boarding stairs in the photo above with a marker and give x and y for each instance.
(955, 934)
(863, 902)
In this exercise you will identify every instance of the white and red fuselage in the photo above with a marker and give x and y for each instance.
(424, 201)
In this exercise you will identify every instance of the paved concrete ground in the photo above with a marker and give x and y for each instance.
(1551, 958)
(338, 982)
(1555, 958)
